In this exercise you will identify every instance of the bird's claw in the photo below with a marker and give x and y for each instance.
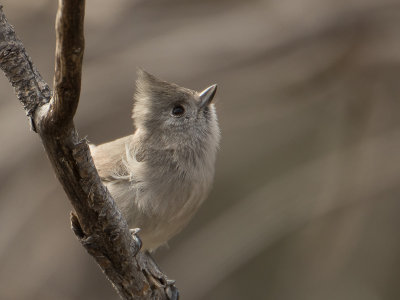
(133, 231)
(156, 277)
(138, 242)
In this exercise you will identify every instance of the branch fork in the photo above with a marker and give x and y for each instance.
(96, 220)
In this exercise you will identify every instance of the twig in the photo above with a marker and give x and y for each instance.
(97, 222)
(32, 91)
(70, 44)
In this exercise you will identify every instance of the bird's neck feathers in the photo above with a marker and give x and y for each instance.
(156, 149)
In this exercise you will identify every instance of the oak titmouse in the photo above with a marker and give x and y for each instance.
(161, 174)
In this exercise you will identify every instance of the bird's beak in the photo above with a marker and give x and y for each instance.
(207, 95)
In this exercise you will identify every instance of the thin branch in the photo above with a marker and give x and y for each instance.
(70, 44)
(32, 91)
(97, 222)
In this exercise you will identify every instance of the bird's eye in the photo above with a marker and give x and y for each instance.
(178, 110)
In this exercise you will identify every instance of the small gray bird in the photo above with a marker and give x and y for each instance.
(160, 175)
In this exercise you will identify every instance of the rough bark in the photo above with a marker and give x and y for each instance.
(97, 222)
(32, 91)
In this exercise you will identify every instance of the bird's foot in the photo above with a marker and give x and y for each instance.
(155, 276)
(136, 238)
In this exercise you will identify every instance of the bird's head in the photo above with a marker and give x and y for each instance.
(175, 116)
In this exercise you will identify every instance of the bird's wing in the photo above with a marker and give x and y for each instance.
(109, 159)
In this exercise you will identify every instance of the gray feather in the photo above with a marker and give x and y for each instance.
(160, 175)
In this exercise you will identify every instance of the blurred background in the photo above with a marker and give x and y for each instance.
(306, 199)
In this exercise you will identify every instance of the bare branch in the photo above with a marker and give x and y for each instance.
(97, 222)
(70, 45)
(31, 89)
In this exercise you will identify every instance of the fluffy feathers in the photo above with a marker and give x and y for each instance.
(161, 174)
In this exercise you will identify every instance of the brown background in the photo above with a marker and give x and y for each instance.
(306, 197)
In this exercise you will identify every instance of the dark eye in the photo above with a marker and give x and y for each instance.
(178, 110)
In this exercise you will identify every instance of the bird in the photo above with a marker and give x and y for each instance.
(161, 174)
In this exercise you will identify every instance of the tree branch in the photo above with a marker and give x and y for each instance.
(32, 91)
(97, 222)
(70, 44)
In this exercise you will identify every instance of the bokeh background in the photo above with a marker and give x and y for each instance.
(306, 201)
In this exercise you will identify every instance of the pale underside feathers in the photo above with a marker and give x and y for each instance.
(161, 174)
